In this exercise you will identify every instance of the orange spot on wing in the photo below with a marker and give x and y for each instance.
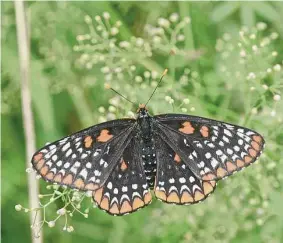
(124, 165)
(126, 207)
(255, 145)
(221, 172)
(240, 163)
(138, 203)
(88, 141)
(186, 197)
(91, 186)
(49, 176)
(39, 164)
(230, 166)
(104, 136)
(58, 178)
(208, 177)
(68, 179)
(104, 203)
(187, 128)
(252, 152)
(98, 195)
(79, 183)
(248, 159)
(37, 157)
(204, 131)
(160, 194)
(114, 209)
(147, 198)
(44, 170)
(257, 138)
(198, 196)
(173, 197)
(207, 188)
(177, 158)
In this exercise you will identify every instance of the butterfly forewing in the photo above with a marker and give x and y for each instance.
(126, 189)
(175, 182)
(212, 149)
(85, 159)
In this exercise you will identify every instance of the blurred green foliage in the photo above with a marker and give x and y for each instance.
(227, 60)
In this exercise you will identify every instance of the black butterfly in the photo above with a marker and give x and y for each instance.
(180, 157)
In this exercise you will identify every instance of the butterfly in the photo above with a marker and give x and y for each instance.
(179, 157)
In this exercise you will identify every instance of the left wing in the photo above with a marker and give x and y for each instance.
(211, 149)
(84, 160)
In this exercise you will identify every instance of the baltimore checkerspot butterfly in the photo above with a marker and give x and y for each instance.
(179, 157)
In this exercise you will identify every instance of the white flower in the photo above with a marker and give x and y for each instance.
(277, 67)
(254, 111)
(264, 86)
(146, 74)
(180, 37)
(114, 31)
(61, 211)
(88, 193)
(29, 170)
(70, 229)
(105, 69)
(124, 44)
(167, 98)
(171, 101)
(252, 36)
(193, 109)
(187, 20)
(269, 70)
(106, 15)
(139, 41)
(243, 53)
(138, 79)
(184, 109)
(154, 74)
(118, 23)
(277, 97)
(51, 224)
(97, 18)
(156, 39)
(18, 207)
(255, 48)
(112, 108)
(174, 17)
(251, 75)
(274, 35)
(88, 19)
(163, 22)
(261, 26)
(252, 88)
(273, 113)
(186, 101)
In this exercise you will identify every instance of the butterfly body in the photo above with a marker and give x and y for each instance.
(179, 156)
(147, 144)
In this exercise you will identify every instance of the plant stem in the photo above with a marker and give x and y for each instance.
(23, 48)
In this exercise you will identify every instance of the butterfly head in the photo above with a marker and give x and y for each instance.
(142, 111)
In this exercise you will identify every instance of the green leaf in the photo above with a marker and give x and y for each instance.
(223, 10)
(266, 11)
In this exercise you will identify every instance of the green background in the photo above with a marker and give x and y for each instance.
(68, 88)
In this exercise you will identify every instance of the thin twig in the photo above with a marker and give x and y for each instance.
(23, 48)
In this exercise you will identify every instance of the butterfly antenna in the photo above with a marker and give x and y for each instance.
(164, 73)
(107, 86)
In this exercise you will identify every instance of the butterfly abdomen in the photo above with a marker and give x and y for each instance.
(149, 161)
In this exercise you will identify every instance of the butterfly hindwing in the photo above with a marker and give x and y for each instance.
(85, 159)
(175, 182)
(212, 149)
(126, 189)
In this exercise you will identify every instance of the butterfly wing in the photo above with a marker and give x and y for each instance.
(175, 182)
(84, 160)
(210, 148)
(126, 189)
